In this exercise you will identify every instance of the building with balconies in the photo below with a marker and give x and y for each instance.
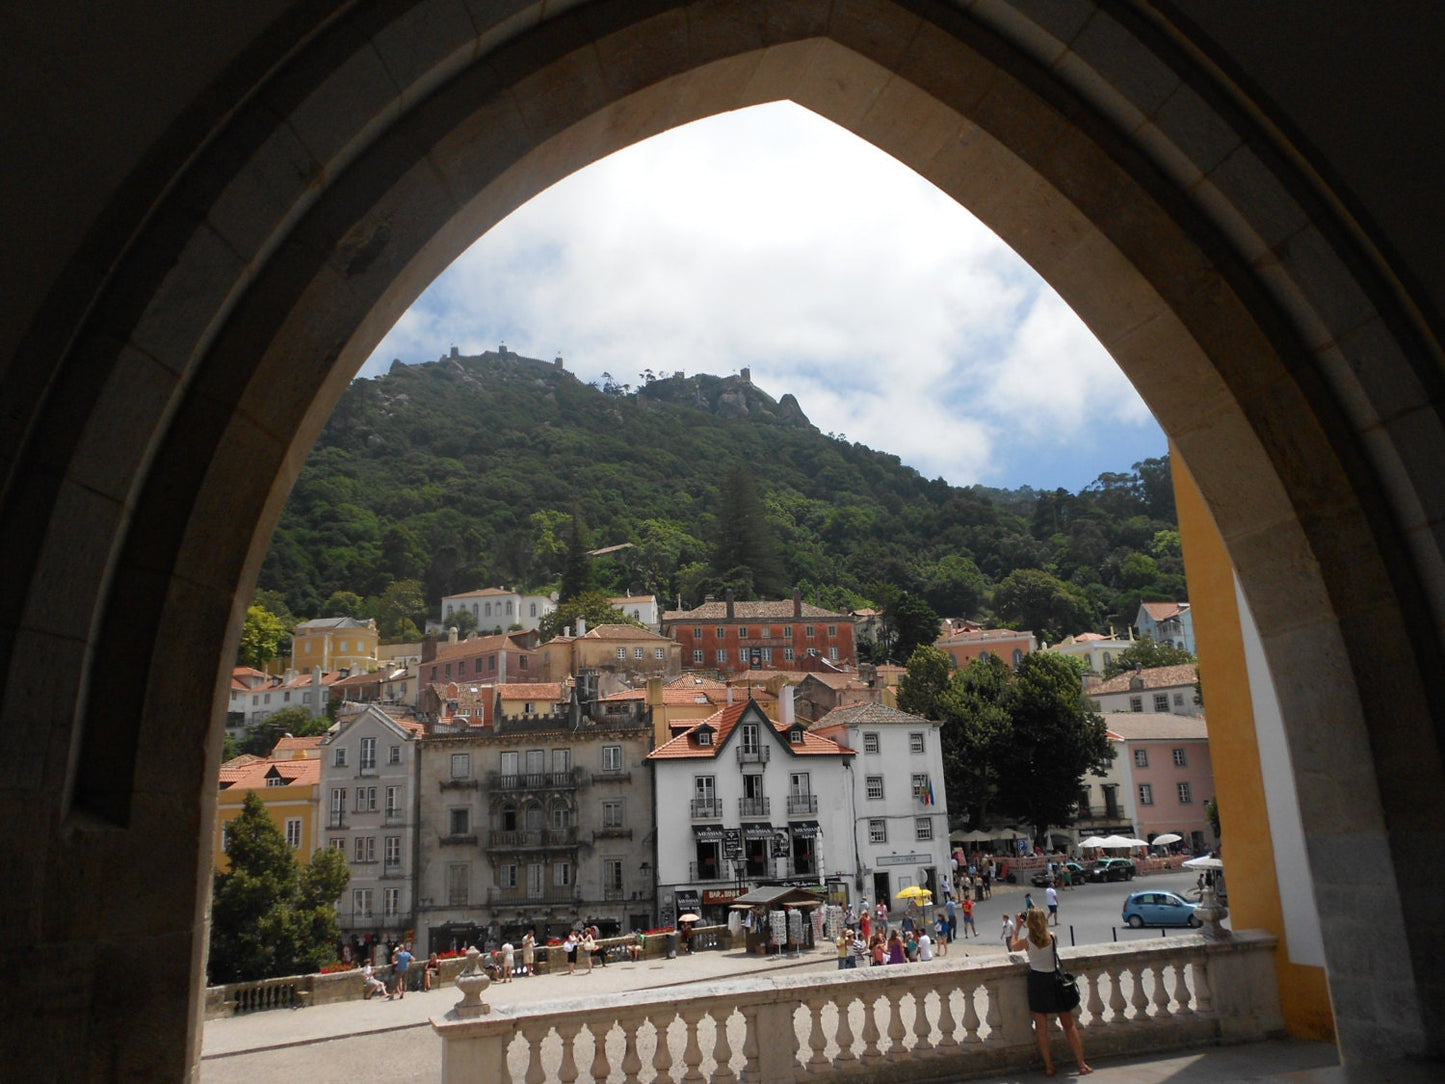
(369, 767)
(537, 822)
(894, 798)
(751, 787)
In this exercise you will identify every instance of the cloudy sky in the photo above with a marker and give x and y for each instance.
(774, 240)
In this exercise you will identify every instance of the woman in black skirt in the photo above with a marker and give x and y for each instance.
(1044, 998)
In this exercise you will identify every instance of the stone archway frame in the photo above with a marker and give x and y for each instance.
(1238, 295)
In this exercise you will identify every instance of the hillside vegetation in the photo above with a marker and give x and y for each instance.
(477, 471)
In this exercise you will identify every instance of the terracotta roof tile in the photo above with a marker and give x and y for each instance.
(1154, 725)
(750, 611)
(1155, 677)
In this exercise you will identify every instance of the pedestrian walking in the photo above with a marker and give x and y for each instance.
(1008, 929)
(1051, 897)
(401, 959)
(952, 909)
(968, 924)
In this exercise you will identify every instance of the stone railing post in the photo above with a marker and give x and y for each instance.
(1243, 987)
(777, 1041)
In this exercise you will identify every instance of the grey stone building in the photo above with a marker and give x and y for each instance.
(537, 822)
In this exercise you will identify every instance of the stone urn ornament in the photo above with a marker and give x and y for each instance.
(472, 982)
(1211, 912)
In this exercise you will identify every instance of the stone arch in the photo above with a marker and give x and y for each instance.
(161, 432)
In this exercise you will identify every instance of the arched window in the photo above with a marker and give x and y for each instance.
(1018, 656)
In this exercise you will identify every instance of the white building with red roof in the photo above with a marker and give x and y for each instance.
(744, 800)
(499, 608)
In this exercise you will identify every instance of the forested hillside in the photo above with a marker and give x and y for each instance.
(469, 472)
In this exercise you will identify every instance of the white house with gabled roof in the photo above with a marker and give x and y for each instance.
(897, 809)
(744, 801)
(369, 801)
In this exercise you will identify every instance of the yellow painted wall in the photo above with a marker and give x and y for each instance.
(283, 803)
(1254, 895)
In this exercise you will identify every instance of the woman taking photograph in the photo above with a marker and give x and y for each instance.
(1044, 997)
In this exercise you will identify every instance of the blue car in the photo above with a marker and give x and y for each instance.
(1158, 909)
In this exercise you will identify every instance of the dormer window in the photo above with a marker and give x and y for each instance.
(795, 735)
(704, 736)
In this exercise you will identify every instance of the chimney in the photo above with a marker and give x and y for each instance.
(428, 649)
(730, 693)
(581, 626)
(730, 603)
(452, 635)
(659, 714)
(785, 705)
(797, 602)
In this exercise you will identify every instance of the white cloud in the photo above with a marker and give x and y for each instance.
(772, 239)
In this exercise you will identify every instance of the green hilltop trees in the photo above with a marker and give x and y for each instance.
(270, 914)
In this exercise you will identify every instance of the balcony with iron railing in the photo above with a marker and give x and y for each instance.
(754, 807)
(534, 781)
(802, 805)
(611, 777)
(706, 809)
(754, 754)
(532, 839)
(546, 896)
(612, 832)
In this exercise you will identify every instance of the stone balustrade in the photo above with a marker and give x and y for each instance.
(920, 1022)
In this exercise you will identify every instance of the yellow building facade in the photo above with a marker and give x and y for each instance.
(1260, 825)
(290, 789)
(336, 643)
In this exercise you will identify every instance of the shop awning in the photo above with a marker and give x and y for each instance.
(806, 830)
(758, 831)
(708, 833)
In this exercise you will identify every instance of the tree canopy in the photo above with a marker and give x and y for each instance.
(270, 914)
(594, 607)
(261, 637)
(1016, 743)
(1144, 654)
(298, 722)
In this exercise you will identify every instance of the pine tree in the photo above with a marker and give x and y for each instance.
(747, 556)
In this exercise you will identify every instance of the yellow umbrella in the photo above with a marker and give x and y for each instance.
(915, 892)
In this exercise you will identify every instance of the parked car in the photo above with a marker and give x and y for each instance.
(1158, 909)
(1111, 869)
(1077, 874)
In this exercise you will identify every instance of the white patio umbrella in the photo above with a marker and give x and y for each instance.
(1092, 841)
(1114, 842)
(1204, 862)
(1166, 839)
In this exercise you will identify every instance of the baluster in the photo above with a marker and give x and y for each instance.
(752, 1070)
(631, 1060)
(1203, 989)
(692, 1051)
(535, 1034)
(1138, 999)
(896, 1031)
(922, 1027)
(568, 1032)
(1117, 1004)
(1180, 989)
(662, 1055)
(1094, 1003)
(722, 1051)
(971, 1020)
(994, 1017)
(816, 1038)
(601, 1067)
(1161, 995)
(872, 1056)
(947, 1025)
(845, 1029)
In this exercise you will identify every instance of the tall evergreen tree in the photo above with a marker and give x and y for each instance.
(577, 570)
(746, 556)
(270, 915)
